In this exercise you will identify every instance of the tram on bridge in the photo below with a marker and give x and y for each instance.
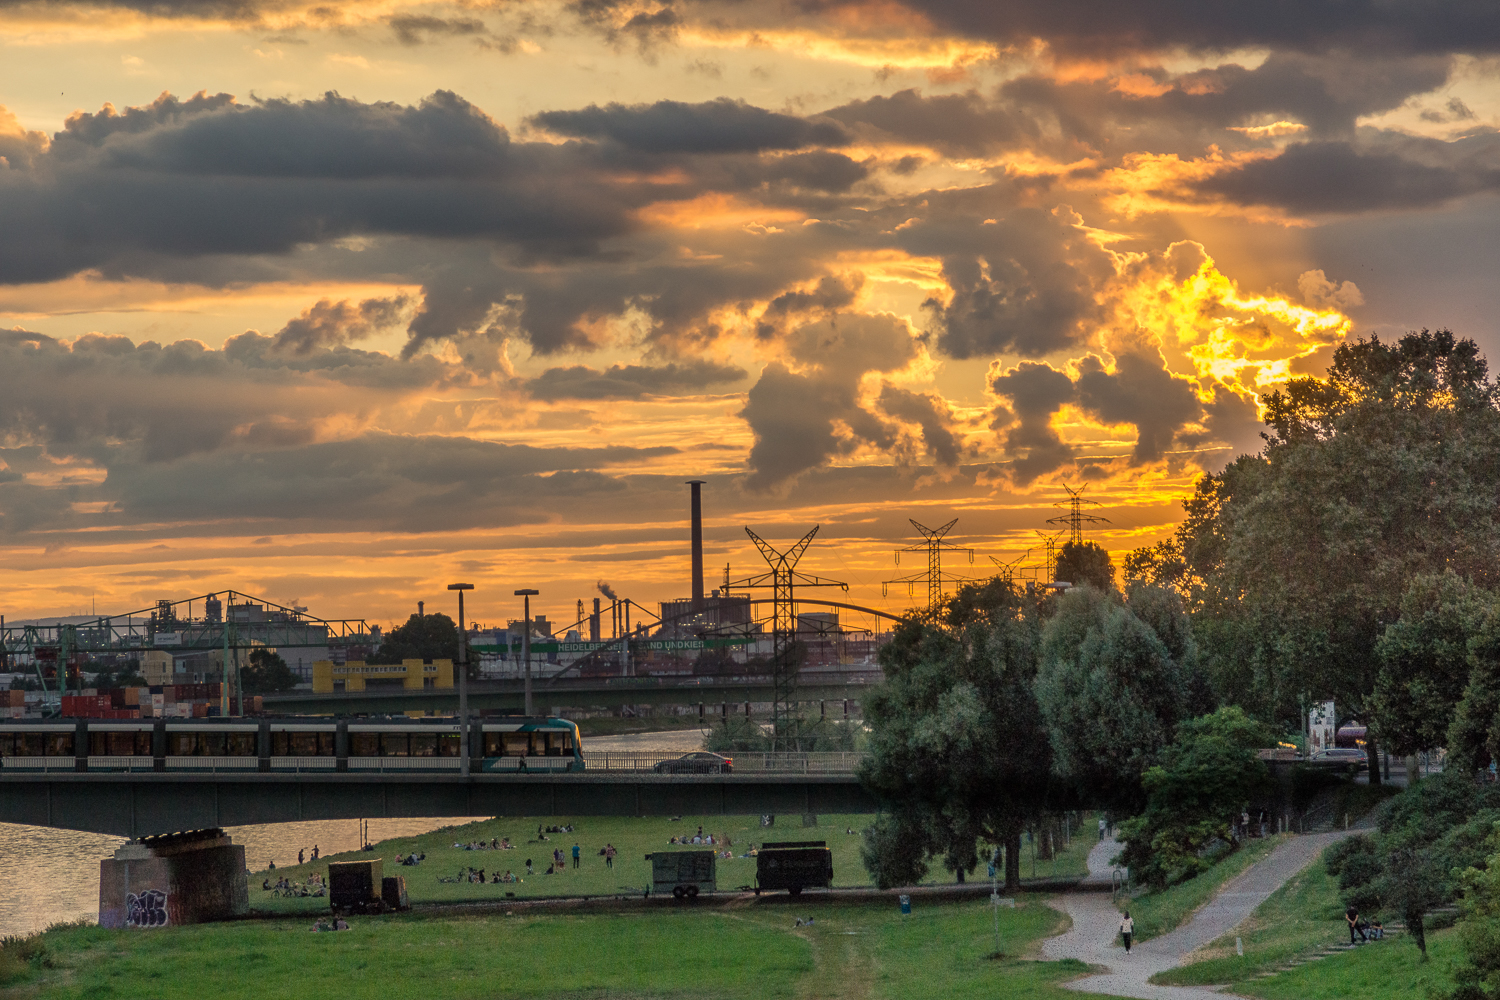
(510, 745)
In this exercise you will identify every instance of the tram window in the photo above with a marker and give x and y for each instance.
(7, 745)
(30, 745)
(212, 744)
(325, 745)
(393, 745)
(364, 745)
(493, 745)
(242, 744)
(424, 744)
(538, 744)
(516, 744)
(281, 745)
(59, 744)
(447, 745)
(98, 744)
(180, 744)
(302, 744)
(559, 744)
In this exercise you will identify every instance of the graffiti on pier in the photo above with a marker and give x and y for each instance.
(146, 909)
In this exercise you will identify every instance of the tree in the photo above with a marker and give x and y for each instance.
(959, 754)
(1082, 563)
(423, 637)
(1194, 795)
(1110, 693)
(1299, 557)
(1161, 564)
(267, 673)
(1424, 661)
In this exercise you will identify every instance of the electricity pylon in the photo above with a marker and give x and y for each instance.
(783, 578)
(933, 546)
(1050, 542)
(1008, 570)
(1075, 518)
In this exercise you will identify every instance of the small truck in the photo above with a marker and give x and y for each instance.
(683, 873)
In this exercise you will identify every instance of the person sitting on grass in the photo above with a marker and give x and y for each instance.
(1377, 930)
(506, 845)
(340, 924)
(548, 871)
(528, 866)
(318, 926)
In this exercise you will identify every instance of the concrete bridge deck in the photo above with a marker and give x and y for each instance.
(140, 804)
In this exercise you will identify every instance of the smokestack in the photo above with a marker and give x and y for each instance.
(594, 622)
(697, 485)
(421, 609)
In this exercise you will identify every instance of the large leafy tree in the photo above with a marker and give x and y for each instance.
(1299, 557)
(1111, 695)
(1083, 563)
(422, 637)
(959, 754)
(267, 673)
(1424, 661)
(1208, 774)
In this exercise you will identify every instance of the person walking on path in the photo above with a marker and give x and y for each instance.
(575, 855)
(1127, 930)
(1102, 827)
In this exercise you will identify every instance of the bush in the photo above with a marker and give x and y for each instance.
(1349, 847)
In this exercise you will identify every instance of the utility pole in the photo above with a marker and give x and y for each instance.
(782, 579)
(463, 680)
(1049, 542)
(527, 595)
(1075, 518)
(933, 546)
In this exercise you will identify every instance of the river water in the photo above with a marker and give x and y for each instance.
(47, 875)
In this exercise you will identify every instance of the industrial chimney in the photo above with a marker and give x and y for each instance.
(697, 485)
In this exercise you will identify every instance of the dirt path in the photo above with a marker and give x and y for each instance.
(1094, 936)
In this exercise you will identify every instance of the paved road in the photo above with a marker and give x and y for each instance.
(1094, 936)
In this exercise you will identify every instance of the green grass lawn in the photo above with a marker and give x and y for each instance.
(1157, 913)
(1301, 917)
(1391, 969)
(749, 950)
(633, 837)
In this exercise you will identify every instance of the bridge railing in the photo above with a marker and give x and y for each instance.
(744, 763)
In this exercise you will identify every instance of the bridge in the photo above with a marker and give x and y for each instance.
(141, 804)
(607, 692)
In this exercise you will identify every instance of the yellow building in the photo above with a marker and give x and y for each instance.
(413, 674)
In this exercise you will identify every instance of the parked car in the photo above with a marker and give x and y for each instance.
(698, 762)
(1341, 755)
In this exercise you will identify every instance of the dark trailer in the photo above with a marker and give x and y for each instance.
(794, 865)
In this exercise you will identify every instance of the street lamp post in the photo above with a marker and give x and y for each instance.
(527, 595)
(463, 680)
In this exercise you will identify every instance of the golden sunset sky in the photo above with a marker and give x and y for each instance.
(337, 304)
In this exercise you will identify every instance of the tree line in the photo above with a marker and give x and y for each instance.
(1352, 559)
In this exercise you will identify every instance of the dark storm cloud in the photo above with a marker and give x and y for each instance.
(1104, 27)
(1036, 392)
(831, 294)
(954, 124)
(329, 324)
(718, 126)
(631, 381)
(414, 29)
(1140, 391)
(1024, 282)
(803, 419)
(1327, 93)
(161, 403)
(930, 412)
(1317, 177)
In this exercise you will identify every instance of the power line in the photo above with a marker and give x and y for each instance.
(933, 546)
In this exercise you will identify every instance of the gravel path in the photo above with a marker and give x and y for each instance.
(1094, 936)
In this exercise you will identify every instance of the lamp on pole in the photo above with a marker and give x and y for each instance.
(527, 595)
(463, 680)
